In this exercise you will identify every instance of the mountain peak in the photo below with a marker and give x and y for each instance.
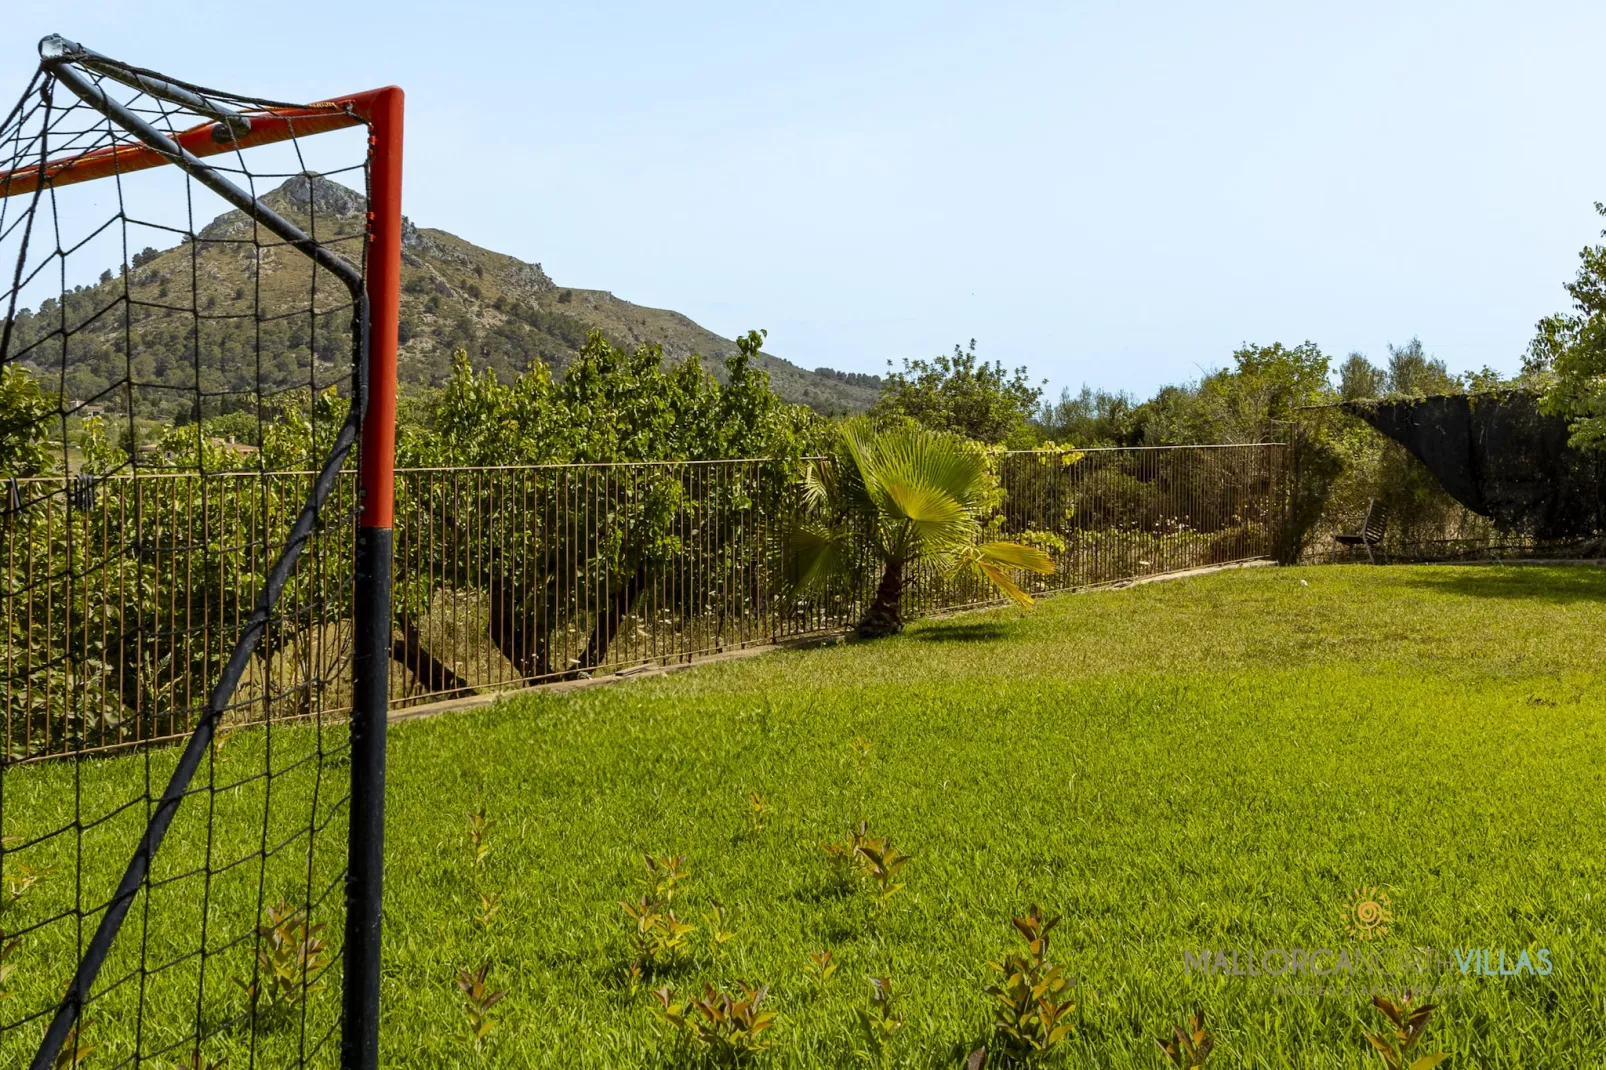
(311, 192)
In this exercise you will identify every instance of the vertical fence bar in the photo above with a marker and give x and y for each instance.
(359, 1042)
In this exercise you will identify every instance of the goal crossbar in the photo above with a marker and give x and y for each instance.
(231, 131)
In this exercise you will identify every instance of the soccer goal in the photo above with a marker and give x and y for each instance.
(198, 329)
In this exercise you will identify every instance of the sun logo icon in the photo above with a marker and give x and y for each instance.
(1368, 913)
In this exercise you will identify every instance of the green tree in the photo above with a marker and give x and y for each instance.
(26, 414)
(1249, 402)
(1089, 418)
(1569, 352)
(910, 496)
(1359, 378)
(1411, 371)
(964, 395)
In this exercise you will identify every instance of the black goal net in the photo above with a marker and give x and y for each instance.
(182, 314)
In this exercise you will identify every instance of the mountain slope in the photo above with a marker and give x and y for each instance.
(506, 313)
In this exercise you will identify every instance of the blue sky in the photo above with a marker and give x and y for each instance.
(1115, 194)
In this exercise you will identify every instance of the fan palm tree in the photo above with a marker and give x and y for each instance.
(904, 495)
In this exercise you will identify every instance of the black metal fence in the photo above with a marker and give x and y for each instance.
(123, 603)
(509, 577)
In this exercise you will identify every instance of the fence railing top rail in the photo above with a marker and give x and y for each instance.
(597, 464)
(141, 472)
(1137, 449)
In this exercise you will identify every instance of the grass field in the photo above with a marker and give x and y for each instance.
(1216, 763)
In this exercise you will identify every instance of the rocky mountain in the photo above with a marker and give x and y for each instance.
(264, 317)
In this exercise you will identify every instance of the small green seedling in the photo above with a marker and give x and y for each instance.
(74, 1051)
(478, 1000)
(863, 856)
(1410, 1025)
(728, 1028)
(758, 811)
(291, 959)
(880, 1022)
(718, 936)
(1190, 1047)
(1033, 999)
(490, 904)
(479, 836)
(664, 877)
(821, 969)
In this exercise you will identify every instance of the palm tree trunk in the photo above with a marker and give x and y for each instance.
(885, 615)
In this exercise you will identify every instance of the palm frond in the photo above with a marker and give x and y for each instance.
(854, 462)
(993, 560)
(1005, 584)
(927, 484)
(1016, 555)
(816, 553)
(927, 507)
(944, 462)
(820, 488)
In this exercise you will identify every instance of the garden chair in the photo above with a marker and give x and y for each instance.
(1372, 530)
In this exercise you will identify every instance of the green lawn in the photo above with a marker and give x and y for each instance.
(1214, 763)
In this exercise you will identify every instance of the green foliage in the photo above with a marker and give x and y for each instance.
(1188, 1048)
(863, 752)
(16, 878)
(1313, 465)
(1091, 418)
(758, 811)
(842, 859)
(1249, 402)
(1412, 373)
(1569, 350)
(907, 495)
(74, 1052)
(26, 416)
(180, 555)
(490, 905)
(1359, 379)
(821, 970)
(879, 1023)
(659, 939)
(881, 861)
(719, 937)
(1410, 1025)
(728, 1028)
(1032, 999)
(965, 396)
(609, 406)
(865, 858)
(478, 1002)
(479, 836)
(291, 958)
